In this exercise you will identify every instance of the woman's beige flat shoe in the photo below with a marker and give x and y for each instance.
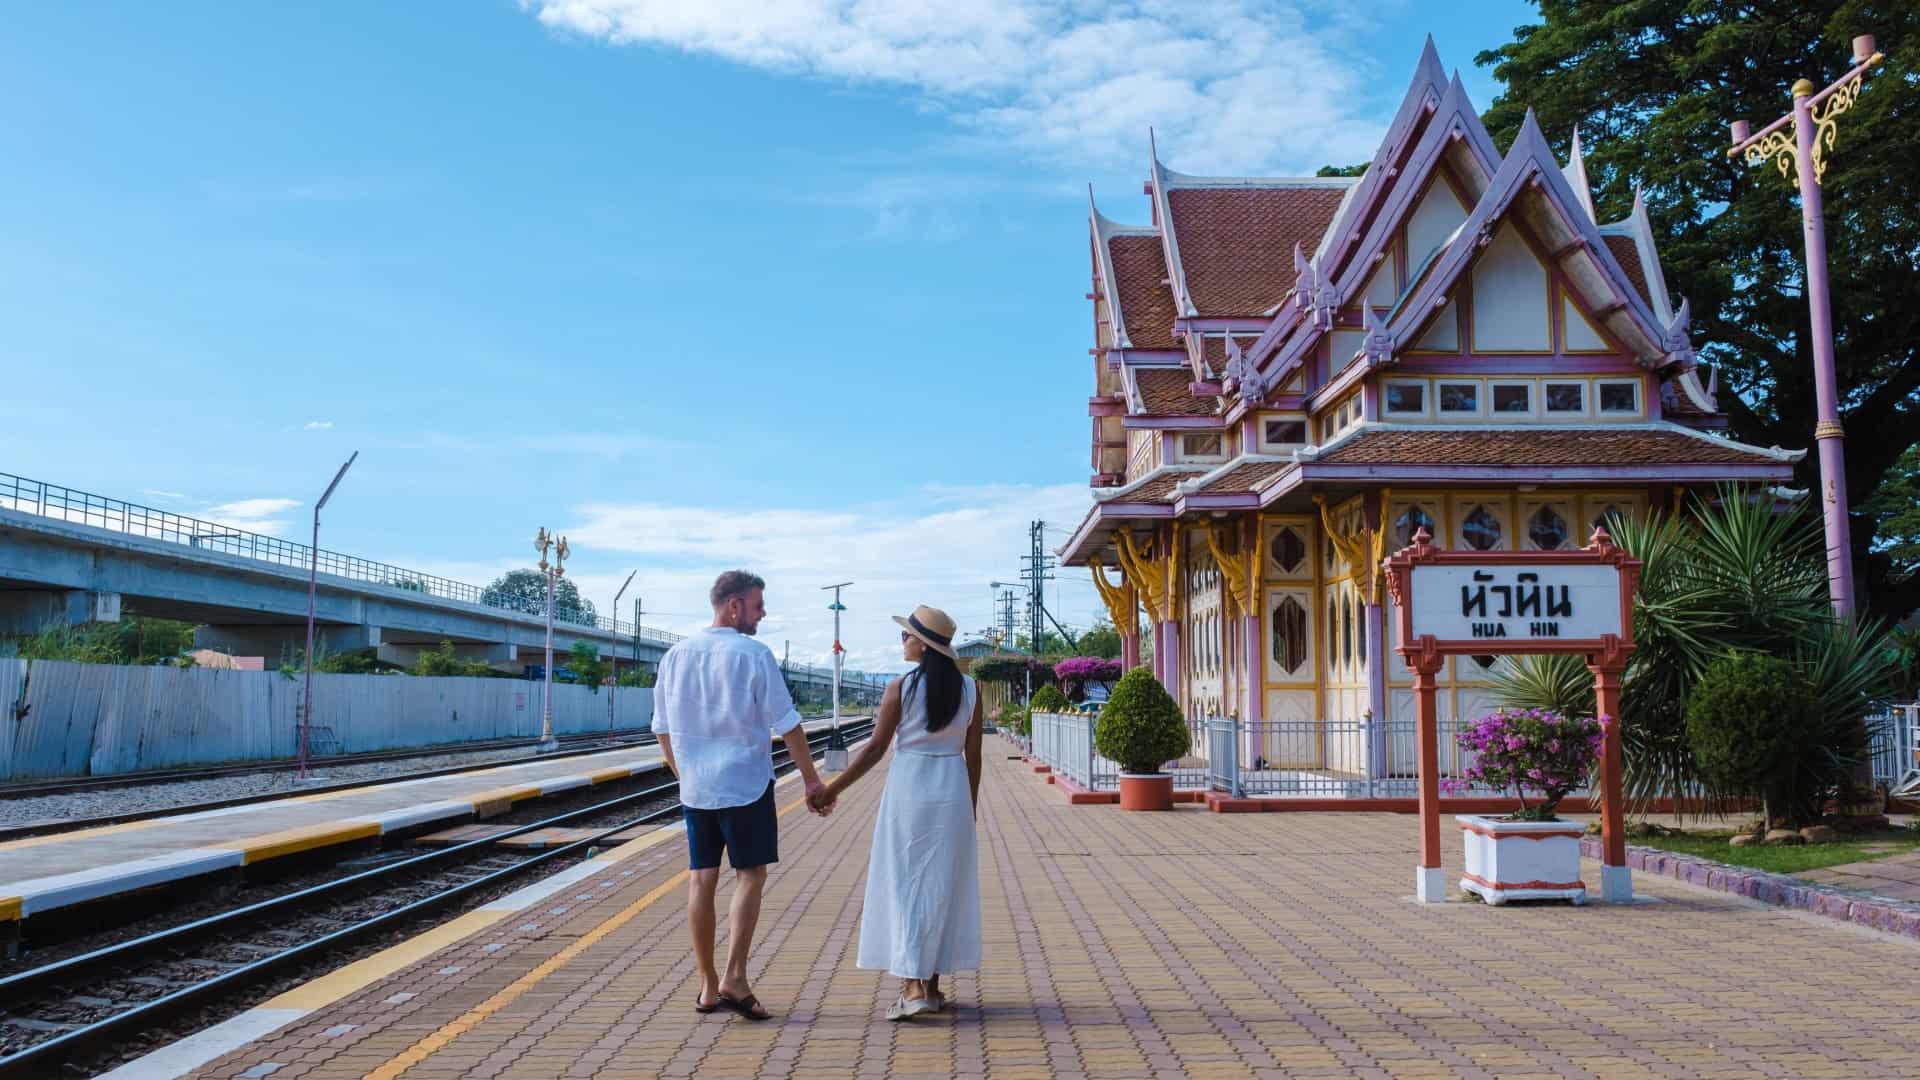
(905, 1008)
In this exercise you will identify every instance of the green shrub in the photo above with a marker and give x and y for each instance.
(442, 661)
(1050, 699)
(1140, 726)
(1753, 721)
(1014, 718)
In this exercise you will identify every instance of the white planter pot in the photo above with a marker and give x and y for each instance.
(1522, 860)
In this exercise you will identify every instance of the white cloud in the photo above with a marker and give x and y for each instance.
(1232, 86)
(939, 546)
(319, 425)
(252, 515)
(156, 493)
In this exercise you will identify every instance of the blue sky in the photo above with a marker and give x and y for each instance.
(791, 284)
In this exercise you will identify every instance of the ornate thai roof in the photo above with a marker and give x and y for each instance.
(1235, 237)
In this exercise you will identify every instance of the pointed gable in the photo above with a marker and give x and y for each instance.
(1453, 148)
(1530, 186)
(1511, 309)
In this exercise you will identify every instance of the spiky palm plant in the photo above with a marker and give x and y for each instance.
(1742, 574)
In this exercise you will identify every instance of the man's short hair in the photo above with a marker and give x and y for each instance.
(734, 583)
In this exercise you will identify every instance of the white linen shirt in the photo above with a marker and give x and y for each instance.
(721, 699)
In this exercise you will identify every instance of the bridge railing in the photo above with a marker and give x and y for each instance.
(85, 508)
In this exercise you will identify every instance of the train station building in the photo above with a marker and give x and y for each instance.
(1290, 376)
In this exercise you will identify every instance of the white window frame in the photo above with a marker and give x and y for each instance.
(1479, 399)
(1306, 431)
(1219, 455)
(1639, 406)
(1586, 397)
(1533, 399)
(1426, 398)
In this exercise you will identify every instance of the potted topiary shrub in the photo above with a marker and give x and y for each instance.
(1529, 854)
(1140, 728)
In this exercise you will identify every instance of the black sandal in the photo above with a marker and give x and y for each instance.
(703, 1009)
(748, 1007)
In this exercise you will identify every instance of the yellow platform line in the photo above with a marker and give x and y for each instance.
(292, 841)
(362, 973)
(10, 908)
(467, 1021)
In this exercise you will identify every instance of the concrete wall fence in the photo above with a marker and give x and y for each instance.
(64, 719)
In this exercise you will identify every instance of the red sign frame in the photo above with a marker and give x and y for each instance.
(1606, 659)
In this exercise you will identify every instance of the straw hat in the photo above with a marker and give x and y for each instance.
(932, 626)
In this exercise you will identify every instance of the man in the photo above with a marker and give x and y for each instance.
(718, 702)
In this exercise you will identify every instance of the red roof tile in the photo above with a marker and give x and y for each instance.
(1146, 303)
(1627, 254)
(1236, 244)
(1244, 477)
(1159, 489)
(1165, 392)
(1547, 446)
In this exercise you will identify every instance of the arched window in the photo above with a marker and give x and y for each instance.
(1289, 635)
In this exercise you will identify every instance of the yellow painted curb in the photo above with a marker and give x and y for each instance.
(274, 845)
(366, 971)
(10, 908)
(510, 794)
(601, 776)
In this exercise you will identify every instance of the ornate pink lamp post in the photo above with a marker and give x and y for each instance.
(1802, 156)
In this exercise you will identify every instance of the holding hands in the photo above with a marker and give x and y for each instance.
(820, 797)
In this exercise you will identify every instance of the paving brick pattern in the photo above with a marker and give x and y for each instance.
(1187, 944)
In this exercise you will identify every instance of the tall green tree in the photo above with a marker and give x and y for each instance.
(587, 665)
(1101, 640)
(1652, 85)
(526, 590)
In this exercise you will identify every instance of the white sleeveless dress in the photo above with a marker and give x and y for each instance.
(922, 912)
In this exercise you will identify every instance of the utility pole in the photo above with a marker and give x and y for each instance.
(1802, 155)
(613, 678)
(836, 747)
(552, 572)
(1038, 571)
(636, 631)
(313, 579)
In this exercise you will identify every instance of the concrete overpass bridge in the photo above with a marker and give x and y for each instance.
(69, 557)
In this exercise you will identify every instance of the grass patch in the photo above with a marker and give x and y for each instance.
(1787, 860)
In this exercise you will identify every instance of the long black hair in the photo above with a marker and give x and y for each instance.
(939, 679)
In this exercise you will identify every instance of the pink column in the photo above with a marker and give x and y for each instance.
(1376, 688)
(1826, 431)
(1167, 646)
(1130, 650)
(1256, 692)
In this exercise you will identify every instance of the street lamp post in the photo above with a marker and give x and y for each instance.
(836, 747)
(552, 572)
(313, 578)
(613, 676)
(1802, 156)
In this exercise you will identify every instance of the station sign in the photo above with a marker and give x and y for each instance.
(1513, 605)
(1499, 603)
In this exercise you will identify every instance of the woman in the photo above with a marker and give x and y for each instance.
(922, 910)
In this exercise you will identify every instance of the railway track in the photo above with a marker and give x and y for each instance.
(66, 1014)
(581, 745)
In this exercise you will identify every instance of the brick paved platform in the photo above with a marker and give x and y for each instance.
(1118, 945)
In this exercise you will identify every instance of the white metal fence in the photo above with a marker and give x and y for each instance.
(65, 719)
(1896, 748)
(1304, 759)
(1365, 759)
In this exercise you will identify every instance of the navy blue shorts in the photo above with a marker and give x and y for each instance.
(750, 834)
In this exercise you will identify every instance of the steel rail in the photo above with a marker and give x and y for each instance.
(80, 1038)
